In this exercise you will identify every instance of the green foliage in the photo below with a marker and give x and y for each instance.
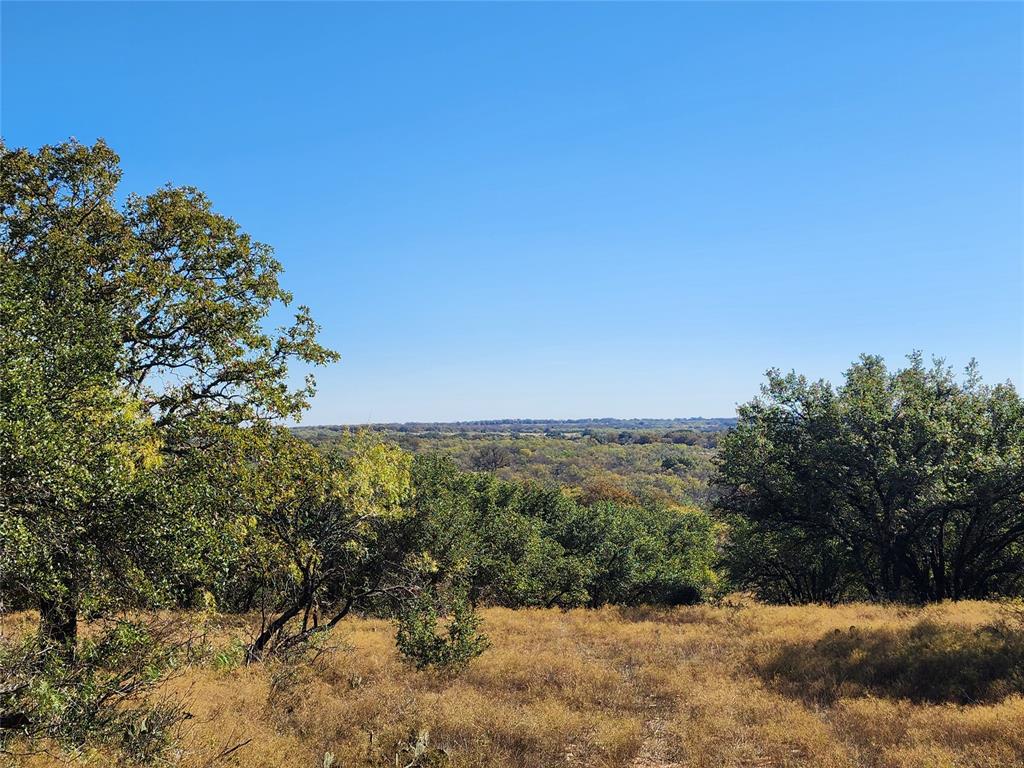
(520, 544)
(130, 337)
(633, 554)
(229, 657)
(785, 564)
(653, 466)
(316, 536)
(450, 651)
(104, 695)
(904, 485)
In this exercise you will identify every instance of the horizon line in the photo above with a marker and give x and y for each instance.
(525, 420)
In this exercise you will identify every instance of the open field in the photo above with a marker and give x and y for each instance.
(740, 685)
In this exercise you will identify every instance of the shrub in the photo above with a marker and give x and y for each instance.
(104, 694)
(419, 641)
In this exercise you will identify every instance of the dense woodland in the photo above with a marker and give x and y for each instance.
(666, 461)
(144, 466)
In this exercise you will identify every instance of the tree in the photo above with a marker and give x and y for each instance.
(322, 534)
(132, 336)
(786, 565)
(491, 458)
(484, 536)
(521, 544)
(901, 485)
(636, 554)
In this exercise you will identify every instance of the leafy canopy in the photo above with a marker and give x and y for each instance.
(131, 335)
(902, 485)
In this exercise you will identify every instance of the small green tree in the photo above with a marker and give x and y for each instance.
(634, 554)
(321, 535)
(105, 695)
(450, 650)
(522, 544)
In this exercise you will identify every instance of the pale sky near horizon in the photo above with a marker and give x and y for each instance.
(575, 210)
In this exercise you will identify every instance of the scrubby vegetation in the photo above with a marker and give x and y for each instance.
(182, 568)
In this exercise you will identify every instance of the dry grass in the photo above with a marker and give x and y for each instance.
(700, 687)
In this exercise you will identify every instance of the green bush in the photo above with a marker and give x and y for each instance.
(420, 642)
(104, 694)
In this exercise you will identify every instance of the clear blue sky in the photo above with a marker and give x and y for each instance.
(536, 210)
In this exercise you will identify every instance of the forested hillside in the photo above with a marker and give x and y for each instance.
(630, 460)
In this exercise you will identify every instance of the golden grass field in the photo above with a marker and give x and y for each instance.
(701, 687)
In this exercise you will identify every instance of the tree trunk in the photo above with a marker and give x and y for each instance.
(58, 624)
(259, 645)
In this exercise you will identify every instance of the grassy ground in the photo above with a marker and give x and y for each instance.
(745, 685)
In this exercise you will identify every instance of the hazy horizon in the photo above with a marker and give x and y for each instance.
(528, 419)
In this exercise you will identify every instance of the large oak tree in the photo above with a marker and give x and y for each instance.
(132, 333)
(897, 485)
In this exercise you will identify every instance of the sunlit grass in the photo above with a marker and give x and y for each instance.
(746, 685)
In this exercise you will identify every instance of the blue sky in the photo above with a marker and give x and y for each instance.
(538, 210)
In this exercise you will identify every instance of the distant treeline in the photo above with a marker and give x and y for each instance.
(659, 466)
(531, 426)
